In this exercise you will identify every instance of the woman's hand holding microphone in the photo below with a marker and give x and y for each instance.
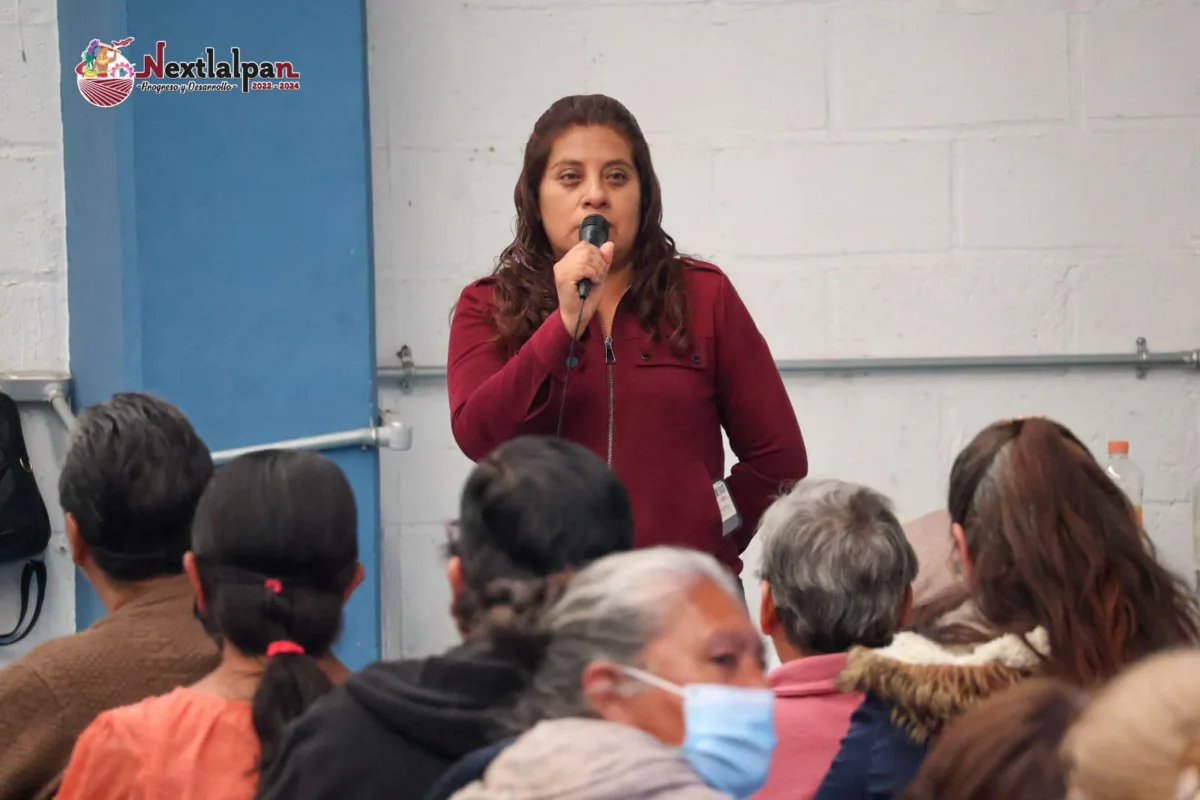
(584, 260)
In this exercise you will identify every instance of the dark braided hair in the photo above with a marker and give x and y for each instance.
(534, 507)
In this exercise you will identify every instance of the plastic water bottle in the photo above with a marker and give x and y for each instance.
(1126, 475)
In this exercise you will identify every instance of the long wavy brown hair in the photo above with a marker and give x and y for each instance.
(1054, 543)
(524, 276)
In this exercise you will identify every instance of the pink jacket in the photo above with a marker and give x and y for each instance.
(811, 717)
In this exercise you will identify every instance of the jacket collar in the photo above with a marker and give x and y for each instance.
(171, 591)
(589, 759)
(928, 684)
(808, 677)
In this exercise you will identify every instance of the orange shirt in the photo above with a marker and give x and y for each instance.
(184, 745)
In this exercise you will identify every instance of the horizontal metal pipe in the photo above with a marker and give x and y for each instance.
(1180, 360)
(392, 434)
(32, 386)
(1141, 360)
(328, 441)
(418, 373)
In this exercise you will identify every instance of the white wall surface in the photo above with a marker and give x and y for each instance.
(33, 278)
(943, 177)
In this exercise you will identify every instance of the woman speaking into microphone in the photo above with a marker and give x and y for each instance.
(604, 334)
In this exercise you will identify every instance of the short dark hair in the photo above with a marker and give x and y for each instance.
(534, 507)
(132, 477)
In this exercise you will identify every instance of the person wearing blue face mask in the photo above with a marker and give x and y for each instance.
(646, 682)
(729, 731)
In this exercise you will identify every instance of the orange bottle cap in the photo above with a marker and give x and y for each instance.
(1119, 448)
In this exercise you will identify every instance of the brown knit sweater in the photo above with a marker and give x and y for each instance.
(147, 647)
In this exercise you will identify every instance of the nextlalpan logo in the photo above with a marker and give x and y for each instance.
(106, 77)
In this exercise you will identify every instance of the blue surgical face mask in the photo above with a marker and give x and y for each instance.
(730, 732)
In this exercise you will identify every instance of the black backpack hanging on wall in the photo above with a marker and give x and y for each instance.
(24, 523)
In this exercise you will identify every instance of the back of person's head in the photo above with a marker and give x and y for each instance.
(1004, 748)
(274, 557)
(1051, 541)
(1139, 739)
(129, 485)
(837, 566)
(535, 506)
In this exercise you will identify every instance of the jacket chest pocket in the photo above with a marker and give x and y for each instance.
(678, 379)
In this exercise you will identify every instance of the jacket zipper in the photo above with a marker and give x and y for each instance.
(610, 358)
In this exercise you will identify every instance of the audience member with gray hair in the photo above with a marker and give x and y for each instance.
(837, 571)
(647, 683)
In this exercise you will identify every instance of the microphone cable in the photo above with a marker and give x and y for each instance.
(572, 361)
(593, 229)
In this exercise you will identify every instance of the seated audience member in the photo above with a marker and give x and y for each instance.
(129, 485)
(935, 551)
(647, 683)
(274, 557)
(1004, 749)
(534, 507)
(837, 571)
(1139, 739)
(1059, 582)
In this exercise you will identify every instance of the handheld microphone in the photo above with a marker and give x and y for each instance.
(594, 230)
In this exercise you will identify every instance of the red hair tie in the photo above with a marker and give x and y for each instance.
(284, 646)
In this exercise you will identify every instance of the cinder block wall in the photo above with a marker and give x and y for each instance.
(878, 178)
(33, 278)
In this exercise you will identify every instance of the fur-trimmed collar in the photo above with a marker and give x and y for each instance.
(928, 684)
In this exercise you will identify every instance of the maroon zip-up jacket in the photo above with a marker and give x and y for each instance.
(655, 417)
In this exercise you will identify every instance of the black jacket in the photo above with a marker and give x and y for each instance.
(393, 729)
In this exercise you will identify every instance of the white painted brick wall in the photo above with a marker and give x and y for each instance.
(1127, 189)
(33, 277)
(933, 177)
(809, 199)
(1143, 63)
(908, 70)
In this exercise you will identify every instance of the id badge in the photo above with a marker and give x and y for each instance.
(731, 520)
